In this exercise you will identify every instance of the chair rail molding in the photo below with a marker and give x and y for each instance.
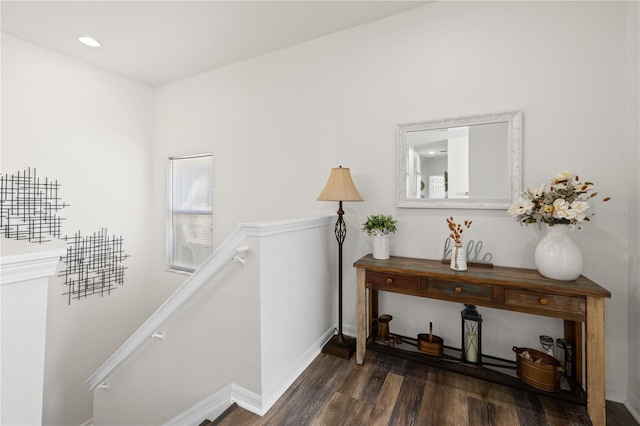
(23, 261)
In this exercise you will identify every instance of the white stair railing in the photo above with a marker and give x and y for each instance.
(224, 253)
(233, 248)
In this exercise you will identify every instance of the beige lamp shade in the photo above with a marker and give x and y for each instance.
(340, 187)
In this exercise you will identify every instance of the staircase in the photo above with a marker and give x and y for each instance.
(256, 313)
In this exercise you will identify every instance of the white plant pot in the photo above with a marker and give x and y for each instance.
(381, 247)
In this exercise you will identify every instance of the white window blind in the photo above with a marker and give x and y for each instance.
(190, 215)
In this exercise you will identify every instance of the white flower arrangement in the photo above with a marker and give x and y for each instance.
(567, 202)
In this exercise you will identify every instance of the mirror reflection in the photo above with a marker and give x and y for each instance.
(471, 162)
(440, 168)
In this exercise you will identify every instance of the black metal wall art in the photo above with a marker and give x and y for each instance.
(28, 211)
(28, 207)
(93, 264)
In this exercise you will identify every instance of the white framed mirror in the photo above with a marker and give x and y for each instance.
(471, 162)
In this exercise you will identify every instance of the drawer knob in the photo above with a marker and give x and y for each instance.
(389, 281)
(458, 290)
(543, 301)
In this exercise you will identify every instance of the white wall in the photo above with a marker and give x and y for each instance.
(91, 131)
(278, 123)
(297, 285)
(633, 214)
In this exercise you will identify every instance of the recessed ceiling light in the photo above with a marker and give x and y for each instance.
(89, 41)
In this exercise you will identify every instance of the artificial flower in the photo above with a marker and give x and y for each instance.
(562, 177)
(566, 201)
(521, 206)
(537, 193)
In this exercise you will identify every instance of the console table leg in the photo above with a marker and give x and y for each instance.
(361, 338)
(595, 353)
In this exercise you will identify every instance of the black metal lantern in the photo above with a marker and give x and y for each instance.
(471, 335)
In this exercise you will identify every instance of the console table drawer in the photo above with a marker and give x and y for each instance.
(548, 303)
(452, 291)
(392, 282)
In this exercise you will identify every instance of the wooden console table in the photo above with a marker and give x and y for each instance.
(513, 289)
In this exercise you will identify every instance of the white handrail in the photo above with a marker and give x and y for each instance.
(221, 256)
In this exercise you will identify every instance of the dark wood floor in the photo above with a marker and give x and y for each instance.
(391, 391)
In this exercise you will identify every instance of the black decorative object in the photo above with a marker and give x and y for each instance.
(93, 264)
(28, 205)
(471, 335)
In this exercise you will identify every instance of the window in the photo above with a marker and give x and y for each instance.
(190, 213)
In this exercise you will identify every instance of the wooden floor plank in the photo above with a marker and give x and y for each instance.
(617, 414)
(310, 392)
(386, 401)
(502, 398)
(481, 412)
(391, 391)
(564, 414)
(407, 407)
(444, 400)
(237, 416)
(530, 411)
(342, 410)
(412, 369)
(373, 380)
(354, 380)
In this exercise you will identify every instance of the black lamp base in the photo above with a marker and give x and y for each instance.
(341, 346)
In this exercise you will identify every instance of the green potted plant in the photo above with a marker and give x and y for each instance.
(380, 227)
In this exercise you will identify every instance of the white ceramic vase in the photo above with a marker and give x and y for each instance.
(557, 256)
(459, 258)
(381, 247)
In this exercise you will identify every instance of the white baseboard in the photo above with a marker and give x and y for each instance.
(633, 405)
(349, 330)
(623, 396)
(287, 378)
(88, 422)
(615, 394)
(215, 404)
(209, 408)
(246, 399)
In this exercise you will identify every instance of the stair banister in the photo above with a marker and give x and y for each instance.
(225, 253)
(221, 256)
